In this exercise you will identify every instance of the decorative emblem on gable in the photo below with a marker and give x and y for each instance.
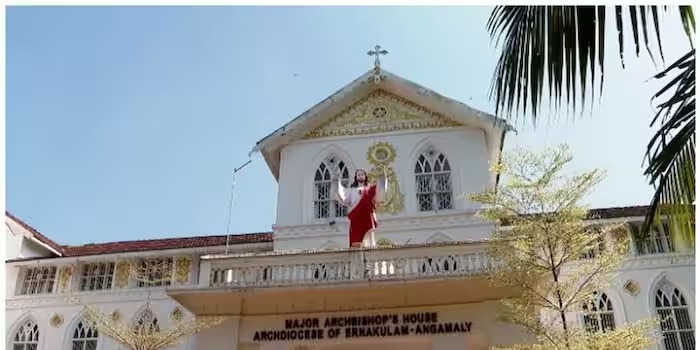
(380, 112)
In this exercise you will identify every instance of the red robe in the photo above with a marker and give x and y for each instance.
(362, 217)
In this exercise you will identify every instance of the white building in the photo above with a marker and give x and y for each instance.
(429, 281)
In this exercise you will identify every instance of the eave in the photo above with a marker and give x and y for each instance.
(270, 146)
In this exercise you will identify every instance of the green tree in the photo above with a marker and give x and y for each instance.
(552, 255)
(562, 48)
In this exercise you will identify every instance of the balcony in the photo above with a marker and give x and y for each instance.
(344, 280)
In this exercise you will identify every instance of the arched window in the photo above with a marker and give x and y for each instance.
(147, 322)
(658, 241)
(325, 205)
(438, 238)
(598, 314)
(26, 337)
(84, 337)
(433, 182)
(596, 245)
(672, 309)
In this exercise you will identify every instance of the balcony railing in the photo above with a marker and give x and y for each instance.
(347, 266)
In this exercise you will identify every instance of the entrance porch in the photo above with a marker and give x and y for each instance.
(286, 283)
(350, 299)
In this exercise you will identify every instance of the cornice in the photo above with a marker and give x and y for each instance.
(76, 299)
(389, 224)
(654, 261)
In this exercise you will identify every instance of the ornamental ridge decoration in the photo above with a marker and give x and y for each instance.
(381, 112)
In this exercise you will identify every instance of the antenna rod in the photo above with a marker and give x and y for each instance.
(242, 166)
(230, 204)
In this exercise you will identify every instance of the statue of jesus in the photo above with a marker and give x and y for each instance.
(361, 199)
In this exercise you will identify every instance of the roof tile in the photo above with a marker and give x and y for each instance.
(38, 235)
(166, 243)
(220, 240)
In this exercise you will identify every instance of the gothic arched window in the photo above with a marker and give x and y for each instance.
(598, 314)
(672, 309)
(147, 322)
(658, 241)
(84, 337)
(325, 205)
(26, 337)
(433, 182)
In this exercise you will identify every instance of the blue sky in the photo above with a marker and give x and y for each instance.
(126, 123)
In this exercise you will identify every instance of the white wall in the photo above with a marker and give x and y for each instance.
(428, 228)
(13, 242)
(222, 337)
(641, 306)
(58, 338)
(32, 249)
(19, 245)
(484, 328)
(465, 149)
(648, 271)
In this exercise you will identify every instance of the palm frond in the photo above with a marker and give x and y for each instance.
(671, 153)
(564, 48)
(688, 22)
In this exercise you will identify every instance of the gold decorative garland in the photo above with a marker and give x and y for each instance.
(177, 314)
(182, 269)
(65, 277)
(384, 242)
(115, 315)
(122, 274)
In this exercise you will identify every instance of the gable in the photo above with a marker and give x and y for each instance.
(380, 112)
(23, 229)
(351, 111)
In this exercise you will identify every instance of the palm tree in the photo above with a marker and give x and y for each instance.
(561, 47)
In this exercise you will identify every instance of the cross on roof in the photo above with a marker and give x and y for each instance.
(376, 52)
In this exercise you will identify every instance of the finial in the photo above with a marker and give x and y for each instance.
(377, 64)
(376, 52)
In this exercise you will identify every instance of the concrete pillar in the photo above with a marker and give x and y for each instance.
(204, 273)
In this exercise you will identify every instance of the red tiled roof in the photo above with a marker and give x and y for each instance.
(605, 213)
(618, 212)
(38, 235)
(144, 245)
(220, 240)
(166, 243)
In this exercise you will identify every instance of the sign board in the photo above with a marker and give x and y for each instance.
(362, 326)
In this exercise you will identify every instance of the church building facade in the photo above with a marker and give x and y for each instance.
(300, 287)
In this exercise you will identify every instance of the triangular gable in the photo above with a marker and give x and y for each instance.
(349, 111)
(380, 112)
(32, 234)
